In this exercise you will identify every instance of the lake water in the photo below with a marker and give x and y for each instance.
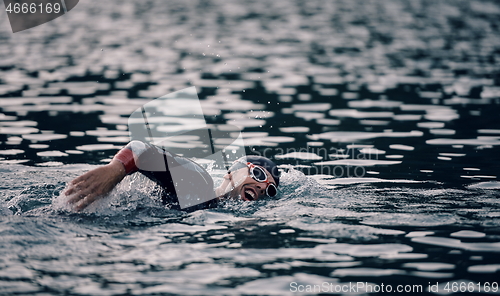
(383, 115)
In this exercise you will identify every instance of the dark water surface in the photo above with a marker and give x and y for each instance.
(384, 116)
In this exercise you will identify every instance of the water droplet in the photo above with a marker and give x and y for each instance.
(219, 41)
(203, 54)
(208, 45)
(102, 49)
(243, 90)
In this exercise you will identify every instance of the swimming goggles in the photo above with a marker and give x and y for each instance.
(258, 174)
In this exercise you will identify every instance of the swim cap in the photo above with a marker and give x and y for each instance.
(264, 162)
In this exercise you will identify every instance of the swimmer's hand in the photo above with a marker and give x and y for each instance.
(94, 184)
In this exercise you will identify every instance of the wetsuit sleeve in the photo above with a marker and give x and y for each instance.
(126, 157)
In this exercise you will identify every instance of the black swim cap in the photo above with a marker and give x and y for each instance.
(264, 162)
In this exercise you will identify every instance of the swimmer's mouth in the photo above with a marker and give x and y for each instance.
(249, 194)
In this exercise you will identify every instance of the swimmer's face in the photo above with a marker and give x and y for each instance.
(246, 187)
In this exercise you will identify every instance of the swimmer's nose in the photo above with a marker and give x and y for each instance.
(261, 189)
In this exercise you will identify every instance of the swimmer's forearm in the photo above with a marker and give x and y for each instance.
(119, 169)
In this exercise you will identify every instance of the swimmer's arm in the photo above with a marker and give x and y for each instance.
(95, 184)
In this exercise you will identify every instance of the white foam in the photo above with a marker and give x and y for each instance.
(486, 185)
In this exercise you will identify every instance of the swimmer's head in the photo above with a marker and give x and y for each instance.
(254, 177)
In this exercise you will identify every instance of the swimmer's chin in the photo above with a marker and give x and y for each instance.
(237, 197)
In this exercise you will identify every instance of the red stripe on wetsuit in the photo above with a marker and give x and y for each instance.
(126, 157)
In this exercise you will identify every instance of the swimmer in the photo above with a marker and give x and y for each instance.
(249, 178)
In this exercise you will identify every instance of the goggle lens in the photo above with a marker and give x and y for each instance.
(271, 190)
(259, 174)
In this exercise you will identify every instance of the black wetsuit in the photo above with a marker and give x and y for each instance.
(158, 165)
